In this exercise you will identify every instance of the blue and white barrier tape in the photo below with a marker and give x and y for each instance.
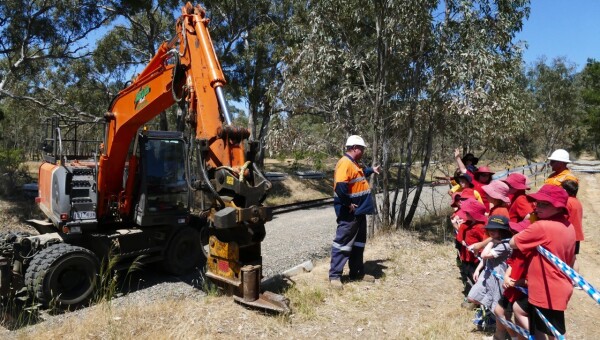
(577, 279)
(501, 277)
(549, 325)
(520, 330)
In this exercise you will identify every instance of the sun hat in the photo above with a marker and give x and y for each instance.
(467, 193)
(518, 227)
(455, 197)
(470, 157)
(484, 170)
(465, 176)
(474, 208)
(355, 140)
(497, 222)
(517, 181)
(498, 190)
(560, 155)
(555, 195)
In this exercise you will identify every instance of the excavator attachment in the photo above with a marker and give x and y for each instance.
(227, 270)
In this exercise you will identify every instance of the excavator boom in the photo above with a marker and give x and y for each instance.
(134, 195)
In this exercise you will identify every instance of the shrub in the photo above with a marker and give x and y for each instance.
(12, 174)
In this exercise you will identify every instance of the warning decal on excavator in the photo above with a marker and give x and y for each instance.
(229, 180)
(140, 97)
(223, 266)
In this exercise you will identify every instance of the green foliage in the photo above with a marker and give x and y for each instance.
(555, 99)
(590, 77)
(12, 174)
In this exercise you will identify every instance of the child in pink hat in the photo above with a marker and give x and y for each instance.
(521, 206)
(497, 194)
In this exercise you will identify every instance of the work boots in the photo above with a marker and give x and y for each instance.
(364, 278)
(336, 284)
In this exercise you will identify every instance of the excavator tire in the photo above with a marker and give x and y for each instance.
(62, 275)
(184, 252)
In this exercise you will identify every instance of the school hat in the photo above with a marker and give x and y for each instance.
(518, 227)
(498, 190)
(474, 208)
(555, 195)
(455, 197)
(465, 176)
(470, 157)
(484, 170)
(517, 181)
(467, 193)
(497, 222)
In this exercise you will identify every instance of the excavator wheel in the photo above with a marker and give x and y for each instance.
(62, 275)
(184, 252)
(204, 237)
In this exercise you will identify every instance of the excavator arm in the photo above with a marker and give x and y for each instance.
(186, 71)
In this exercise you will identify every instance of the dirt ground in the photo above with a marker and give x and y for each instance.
(417, 295)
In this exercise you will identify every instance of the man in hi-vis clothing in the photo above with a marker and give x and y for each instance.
(352, 201)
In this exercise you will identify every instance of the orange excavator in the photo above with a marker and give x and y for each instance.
(145, 196)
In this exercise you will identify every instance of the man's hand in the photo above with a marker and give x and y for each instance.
(377, 169)
(353, 207)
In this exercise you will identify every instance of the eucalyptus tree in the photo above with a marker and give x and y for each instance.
(250, 37)
(556, 103)
(405, 73)
(37, 40)
(136, 32)
(590, 77)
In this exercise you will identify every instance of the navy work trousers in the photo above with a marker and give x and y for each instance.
(348, 246)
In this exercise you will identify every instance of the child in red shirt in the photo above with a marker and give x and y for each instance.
(471, 231)
(575, 210)
(497, 194)
(549, 288)
(521, 205)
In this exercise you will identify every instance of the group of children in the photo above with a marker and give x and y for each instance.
(498, 228)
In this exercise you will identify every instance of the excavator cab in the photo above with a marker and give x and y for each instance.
(164, 194)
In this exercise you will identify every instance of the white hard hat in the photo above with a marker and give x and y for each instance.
(560, 155)
(355, 140)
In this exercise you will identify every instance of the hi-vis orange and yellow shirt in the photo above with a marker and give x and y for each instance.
(558, 178)
(350, 186)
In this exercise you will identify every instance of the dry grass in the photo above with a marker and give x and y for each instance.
(417, 295)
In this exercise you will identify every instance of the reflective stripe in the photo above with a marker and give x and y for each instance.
(358, 179)
(359, 244)
(362, 193)
(342, 248)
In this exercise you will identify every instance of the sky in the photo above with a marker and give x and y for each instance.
(562, 28)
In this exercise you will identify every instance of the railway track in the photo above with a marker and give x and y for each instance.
(284, 208)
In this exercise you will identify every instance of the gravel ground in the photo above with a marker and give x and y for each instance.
(298, 236)
(292, 238)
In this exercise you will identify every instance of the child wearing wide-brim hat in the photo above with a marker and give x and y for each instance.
(521, 206)
(488, 290)
(549, 289)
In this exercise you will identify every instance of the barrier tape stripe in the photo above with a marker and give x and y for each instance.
(573, 275)
(501, 277)
(522, 331)
(549, 325)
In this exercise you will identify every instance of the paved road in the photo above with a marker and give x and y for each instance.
(298, 236)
